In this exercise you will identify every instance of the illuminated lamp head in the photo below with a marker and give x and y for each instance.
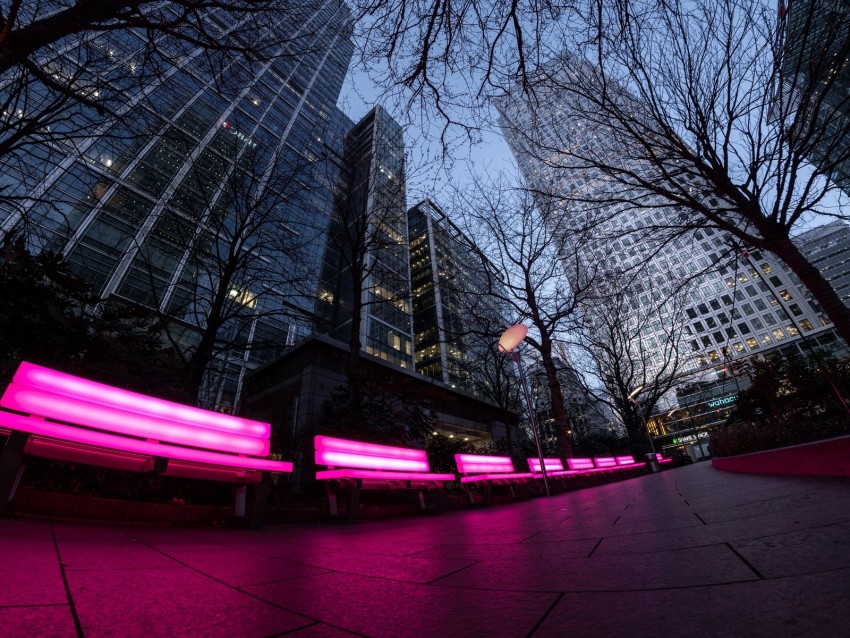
(512, 337)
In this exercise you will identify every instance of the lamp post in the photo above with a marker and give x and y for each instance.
(636, 402)
(508, 344)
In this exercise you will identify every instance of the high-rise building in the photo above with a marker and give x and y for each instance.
(828, 249)
(368, 249)
(816, 82)
(724, 310)
(451, 313)
(148, 208)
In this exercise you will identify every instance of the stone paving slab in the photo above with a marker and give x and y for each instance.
(688, 552)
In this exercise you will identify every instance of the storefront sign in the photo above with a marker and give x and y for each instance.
(723, 401)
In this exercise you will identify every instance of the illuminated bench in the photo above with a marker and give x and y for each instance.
(354, 466)
(59, 416)
(582, 464)
(626, 461)
(554, 468)
(662, 459)
(487, 471)
(605, 463)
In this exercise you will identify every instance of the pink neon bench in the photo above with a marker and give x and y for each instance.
(487, 471)
(662, 459)
(67, 418)
(354, 466)
(554, 468)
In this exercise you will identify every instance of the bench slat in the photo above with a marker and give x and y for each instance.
(137, 446)
(382, 475)
(482, 478)
(70, 410)
(53, 381)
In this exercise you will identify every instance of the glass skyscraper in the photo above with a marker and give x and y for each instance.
(368, 248)
(213, 161)
(451, 316)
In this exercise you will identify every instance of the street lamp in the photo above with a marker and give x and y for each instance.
(508, 344)
(636, 402)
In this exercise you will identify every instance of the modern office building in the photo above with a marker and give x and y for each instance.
(454, 319)
(367, 248)
(816, 82)
(828, 248)
(725, 308)
(220, 174)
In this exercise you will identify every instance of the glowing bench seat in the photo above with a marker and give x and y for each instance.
(554, 468)
(59, 416)
(583, 465)
(354, 466)
(662, 459)
(487, 471)
(626, 461)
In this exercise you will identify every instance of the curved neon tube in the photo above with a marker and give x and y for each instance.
(64, 408)
(125, 444)
(38, 377)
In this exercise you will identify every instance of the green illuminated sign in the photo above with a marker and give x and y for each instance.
(723, 401)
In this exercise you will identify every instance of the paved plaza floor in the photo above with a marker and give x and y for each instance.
(688, 552)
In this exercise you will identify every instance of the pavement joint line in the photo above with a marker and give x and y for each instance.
(700, 519)
(595, 547)
(745, 561)
(615, 521)
(228, 585)
(545, 615)
(319, 623)
(77, 625)
(528, 538)
(457, 571)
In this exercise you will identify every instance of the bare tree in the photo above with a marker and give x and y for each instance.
(634, 351)
(229, 264)
(529, 275)
(716, 114)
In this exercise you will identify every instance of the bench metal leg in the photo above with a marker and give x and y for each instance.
(354, 501)
(258, 507)
(11, 467)
(422, 499)
(240, 500)
(487, 490)
(441, 500)
(333, 510)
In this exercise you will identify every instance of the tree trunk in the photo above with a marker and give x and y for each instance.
(556, 400)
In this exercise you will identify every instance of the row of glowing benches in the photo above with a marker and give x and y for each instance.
(56, 415)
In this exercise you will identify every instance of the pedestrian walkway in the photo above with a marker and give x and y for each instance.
(688, 552)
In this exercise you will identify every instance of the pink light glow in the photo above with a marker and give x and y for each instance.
(343, 453)
(580, 464)
(124, 444)
(68, 409)
(480, 464)
(625, 460)
(661, 459)
(605, 461)
(382, 475)
(68, 385)
(552, 465)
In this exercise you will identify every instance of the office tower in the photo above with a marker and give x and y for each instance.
(450, 312)
(367, 270)
(725, 310)
(146, 209)
(828, 249)
(815, 68)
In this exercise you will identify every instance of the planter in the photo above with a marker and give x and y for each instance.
(830, 457)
